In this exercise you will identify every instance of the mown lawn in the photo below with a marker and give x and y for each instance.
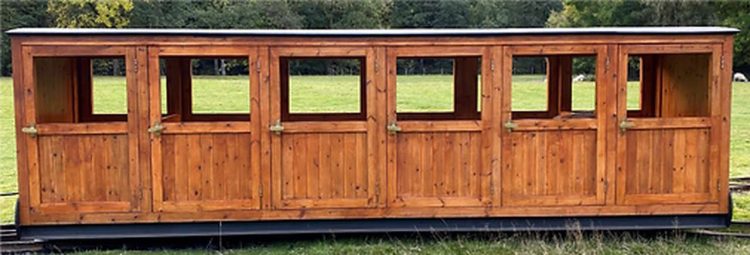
(416, 93)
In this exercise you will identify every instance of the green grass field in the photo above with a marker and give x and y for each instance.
(416, 93)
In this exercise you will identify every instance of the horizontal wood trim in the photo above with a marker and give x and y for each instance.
(437, 202)
(104, 128)
(668, 48)
(576, 200)
(325, 203)
(53, 218)
(325, 127)
(554, 50)
(85, 207)
(437, 126)
(30, 40)
(442, 51)
(76, 50)
(206, 127)
(670, 123)
(684, 198)
(319, 51)
(555, 124)
(204, 51)
(202, 206)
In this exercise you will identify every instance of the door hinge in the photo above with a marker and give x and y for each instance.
(723, 61)
(492, 65)
(260, 191)
(718, 185)
(257, 65)
(135, 65)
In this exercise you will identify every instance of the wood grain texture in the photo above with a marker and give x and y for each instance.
(673, 161)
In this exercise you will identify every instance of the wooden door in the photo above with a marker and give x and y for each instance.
(668, 149)
(328, 158)
(202, 162)
(441, 158)
(79, 162)
(551, 158)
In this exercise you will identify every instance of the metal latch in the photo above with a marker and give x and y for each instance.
(276, 127)
(510, 126)
(393, 128)
(30, 130)
(625, 124)
(156, 129)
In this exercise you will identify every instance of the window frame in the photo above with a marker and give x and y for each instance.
(192, 52)
(82, 97)
(554, 97)
(279, 77)
(449, 52)
(636, 50)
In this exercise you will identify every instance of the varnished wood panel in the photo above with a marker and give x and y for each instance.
(664, 164)
(208, 172)
(685, 81)
(326, 170)
(84, 169)
(438, 169)
(55, 97)
(551, 168)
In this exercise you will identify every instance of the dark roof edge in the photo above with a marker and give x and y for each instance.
(380, 32)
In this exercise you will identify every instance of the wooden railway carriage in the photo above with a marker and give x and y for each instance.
(480, 164)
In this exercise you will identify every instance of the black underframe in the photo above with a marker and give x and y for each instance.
(237, 228)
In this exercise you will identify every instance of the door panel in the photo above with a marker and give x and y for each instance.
(325, 170)
(552, 168)
(439, 169)
(667, 161)
(325, 159)
(78, 164)
(436, 157)
(202, 162)
(556, 156)
(668, 150)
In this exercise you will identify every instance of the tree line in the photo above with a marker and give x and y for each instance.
(375, 14)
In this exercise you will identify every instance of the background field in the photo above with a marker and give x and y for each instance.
(318, 93)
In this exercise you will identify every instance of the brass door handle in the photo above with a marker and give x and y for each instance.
(393, 128)
(30, 130)
(510, 126)
(276, 127)
(156, 129)
(625, 124)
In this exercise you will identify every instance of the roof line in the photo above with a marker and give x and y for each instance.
(379, 32)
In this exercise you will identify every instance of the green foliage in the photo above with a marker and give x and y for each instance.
(15, 14)
(340, 14)
(90, 13)
(512, 13)
(736, 13)
(429, 14)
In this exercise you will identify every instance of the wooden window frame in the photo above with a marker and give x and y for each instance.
(81, 57)
(559, 65)
(465, 111)
(279, 54)
(649, 96)
(286, 115)
(182, 57)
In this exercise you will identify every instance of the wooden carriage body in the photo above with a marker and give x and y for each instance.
(481, 160)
